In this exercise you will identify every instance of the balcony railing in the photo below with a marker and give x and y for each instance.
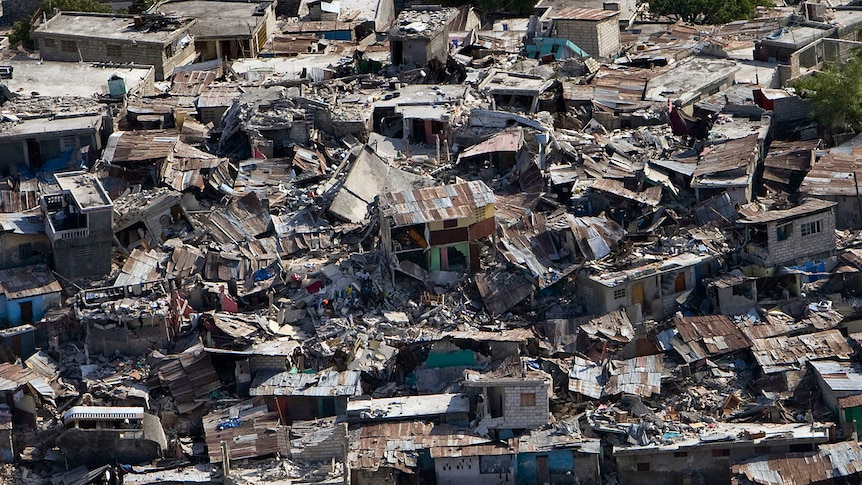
(74, 233)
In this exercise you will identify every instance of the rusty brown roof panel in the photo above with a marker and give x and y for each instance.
(583, 13)
(419, 206)
(727, 156)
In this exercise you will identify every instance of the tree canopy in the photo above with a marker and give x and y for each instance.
(836, 91)
(706, 11)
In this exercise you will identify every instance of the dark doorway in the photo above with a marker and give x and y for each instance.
(542, 469)
(26, 311)
(34, 153)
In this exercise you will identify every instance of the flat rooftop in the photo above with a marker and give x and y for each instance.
(110, 26)
(85, 189)
(218, 18)
(29, 76)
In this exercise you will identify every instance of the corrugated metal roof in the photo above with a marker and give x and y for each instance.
(28, 281)
(505, 141)
(808, 206)
(396, 445)
(583, 13)
(439, 203)
(651, 196)
(14, 376)
(728, 156)
(782, 353)
(189, 376)
(836, 173)
(138, 146)
(640, 376)
(840, 376)
(585, 377)
(710, 335)
(256, 435)
(829, 462)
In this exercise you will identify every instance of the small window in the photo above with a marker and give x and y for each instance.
(169, 51)
(721, 452)
(449, 223)
(784, 231)
(761, 450)
(113, 50)
(528, 399)
(67, 142)
(47, 43)
(801, 448)
(619, 293)
(809, 228)
(643, 467)
(68, 46)
(680, 454)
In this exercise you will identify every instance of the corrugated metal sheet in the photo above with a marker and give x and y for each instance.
(831, 461)
(430, 204)
(808, 206)
(709, 336)
(14, 376)
(584, 13)
(256, 435)
(192, 83)
(138, 146)
(28, 281)
(837, 173)
(782, 353)
(505, 141)
(640, 376)
(189, 376)
(651, 196)
(586, 377)
(728, 156)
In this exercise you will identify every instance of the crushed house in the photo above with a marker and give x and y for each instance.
(834, 178)
(153, 40)
(437, 228)
(125, 434)
(421, 35)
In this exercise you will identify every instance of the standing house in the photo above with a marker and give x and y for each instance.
(421, 35)
(510, 403)
(22, 239)
(34, 142)
(225, 28)
(792, 236)
(154, 40)
(595, 31)
(78, 224)
(841, 388)
(437, 228)
(26, 293)
(650, 289)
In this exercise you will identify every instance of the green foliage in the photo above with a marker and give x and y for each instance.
(21, 33)
(706, 11)
(75, 6)
(836, 92)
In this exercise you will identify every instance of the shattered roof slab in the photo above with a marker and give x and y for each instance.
(321, 384)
